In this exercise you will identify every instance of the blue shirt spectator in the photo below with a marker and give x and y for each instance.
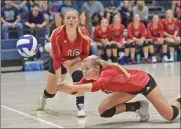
(10, 19)
(93, 6)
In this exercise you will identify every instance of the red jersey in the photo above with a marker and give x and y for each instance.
(112, 79)
(154, 33)
(137, 33)
(117, 34)
(170, 27)
(99, 34)
(63, 50)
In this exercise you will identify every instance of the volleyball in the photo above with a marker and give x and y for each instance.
(27, 45)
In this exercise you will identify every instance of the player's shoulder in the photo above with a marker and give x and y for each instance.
(175, 19)
(84, 31)
(163, 20)
(58, 30)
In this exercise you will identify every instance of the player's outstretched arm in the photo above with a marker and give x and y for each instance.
(74, 88)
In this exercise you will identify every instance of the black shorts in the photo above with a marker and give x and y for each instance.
(51, 69)
(148, 88)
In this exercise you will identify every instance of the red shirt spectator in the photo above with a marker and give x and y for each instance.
(136, 32)
(154, 33)
(170, 27)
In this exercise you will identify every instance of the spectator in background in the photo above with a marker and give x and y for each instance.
(21, 6)
(57, 22)
(84, 22)
(43, 7)
(66, 5)
(176, 9)
(10, 19)
(126, 13)
(117, 36)
(155, 34)
(54, 6)
(136, 39)
(93, 6)
(111, 10)
(96, 20)
(35, 20)
(142, 10)
(103, 37)
(171, 29)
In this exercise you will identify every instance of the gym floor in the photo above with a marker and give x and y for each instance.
(20, 93)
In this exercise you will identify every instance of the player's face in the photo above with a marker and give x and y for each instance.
(155, 19)
(89, 70)
(58, 18)
(136, 18)
(169, 14)
(35, 11)
(104, 23)
(82, 17)
(8, 2)
(117, 19)
(71, 19)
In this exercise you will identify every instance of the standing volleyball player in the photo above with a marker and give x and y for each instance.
(124, 84)
(70, 45)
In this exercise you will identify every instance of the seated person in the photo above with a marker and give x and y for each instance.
(84, 22)
(103, 37)
(136, 38)
(117, 36)
(171, 29)
(35, 20)
(155, 34)
(111, 10)
(10, 19)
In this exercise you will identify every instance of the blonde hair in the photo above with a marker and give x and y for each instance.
(97, 61)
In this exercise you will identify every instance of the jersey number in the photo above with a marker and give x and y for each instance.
(75, 52)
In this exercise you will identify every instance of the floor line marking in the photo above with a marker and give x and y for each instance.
(35, 118)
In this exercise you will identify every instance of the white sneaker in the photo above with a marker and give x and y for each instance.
(171, 59)
(143, 111)
(154, 59)
(165, 58)
(109, 60)
(41, 103)
(80, 111)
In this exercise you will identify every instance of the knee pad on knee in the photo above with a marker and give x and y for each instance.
(120, 49)
(150, 43)
(132, 45)
(77, 75)
(47, 95)
(171, 45)
(145, 43)
(114, 46)
(108, 46)
(165, 42)
(175, 112)
(109, 113)
(99, 47)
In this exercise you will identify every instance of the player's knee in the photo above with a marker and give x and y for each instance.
(114, 46)
(99, 47)
(108, 113)
(48, 95)
(108, 46)
(77, 75)
(175, 113)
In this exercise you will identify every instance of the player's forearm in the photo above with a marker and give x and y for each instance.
(82, 88)
(58, 74)
(166, 34)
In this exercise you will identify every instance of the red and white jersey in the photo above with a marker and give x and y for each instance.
(63, 50)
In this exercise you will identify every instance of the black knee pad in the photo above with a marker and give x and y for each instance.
(150, 43)
(175, 112)
(99, 47)
(47, 95)
(108, 46)
(77, 75)
(171, 45)
(114, 46)
(145, 44)
(126, 45)
(120, 49)
(109, 113)
(165, 42)
(132, 45)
